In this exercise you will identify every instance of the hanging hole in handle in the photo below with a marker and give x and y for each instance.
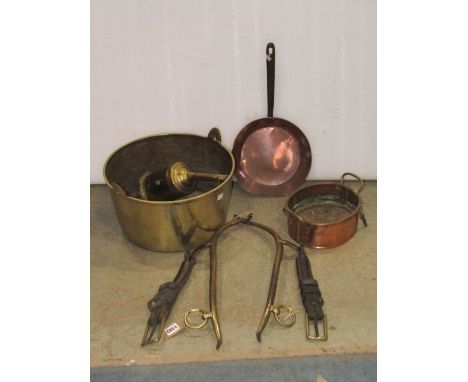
(270, 51)
(354, 176)
(215, 134)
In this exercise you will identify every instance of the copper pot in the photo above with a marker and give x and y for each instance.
(324, 215)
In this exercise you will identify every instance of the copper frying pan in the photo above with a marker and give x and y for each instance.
(273, 156)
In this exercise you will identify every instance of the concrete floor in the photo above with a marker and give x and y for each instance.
(340, 368)
(124, 277)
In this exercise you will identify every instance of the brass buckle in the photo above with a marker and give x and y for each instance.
(317, 336)
(149, 332)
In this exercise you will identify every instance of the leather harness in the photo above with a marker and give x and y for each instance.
(161, 304)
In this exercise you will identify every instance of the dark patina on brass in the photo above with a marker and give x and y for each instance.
(170, 225)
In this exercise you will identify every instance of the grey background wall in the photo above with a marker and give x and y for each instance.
(185, 66)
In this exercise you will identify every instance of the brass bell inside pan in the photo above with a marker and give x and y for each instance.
(172, 183)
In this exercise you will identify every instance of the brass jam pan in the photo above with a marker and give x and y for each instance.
(170, 225)
(325, 215)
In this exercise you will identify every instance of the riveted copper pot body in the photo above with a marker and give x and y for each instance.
(170, 226)
(328, 232)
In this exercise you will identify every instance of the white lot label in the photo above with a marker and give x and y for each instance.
(172, 330)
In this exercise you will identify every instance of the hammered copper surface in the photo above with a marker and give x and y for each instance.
(273, 157)
(270, 155)
(323, 215)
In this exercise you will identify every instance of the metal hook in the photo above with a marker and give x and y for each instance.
(276, 314)
(205, 317)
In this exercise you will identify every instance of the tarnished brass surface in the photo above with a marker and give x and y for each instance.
(169, 226)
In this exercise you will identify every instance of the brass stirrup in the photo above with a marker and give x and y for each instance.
(212, 314)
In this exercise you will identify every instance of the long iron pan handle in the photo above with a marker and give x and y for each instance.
(270, 64)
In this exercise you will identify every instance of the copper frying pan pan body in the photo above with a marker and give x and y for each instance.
(273, 156)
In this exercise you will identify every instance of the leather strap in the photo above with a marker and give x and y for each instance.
(310, 292)
(160, 306)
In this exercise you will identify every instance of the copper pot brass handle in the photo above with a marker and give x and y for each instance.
(361, 213)
(355, 176)
(308, 230)
(292, 213)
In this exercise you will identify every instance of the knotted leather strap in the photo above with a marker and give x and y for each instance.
(160, 306)
(310, 292)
